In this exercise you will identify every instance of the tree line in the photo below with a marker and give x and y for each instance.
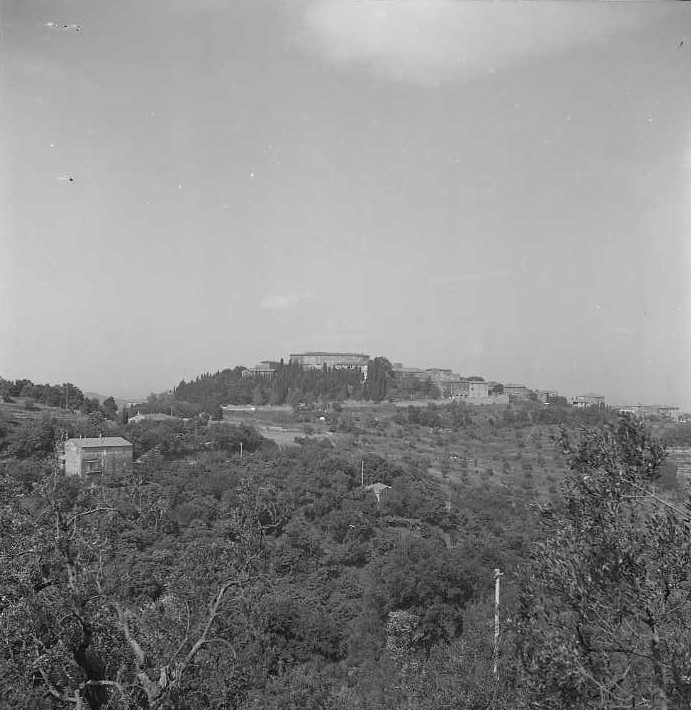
(66, 396)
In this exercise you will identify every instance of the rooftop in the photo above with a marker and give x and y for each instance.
(100, 442)
(378, 487)
(330, 354)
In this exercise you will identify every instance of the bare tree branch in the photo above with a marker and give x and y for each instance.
(183, 643)
(24, 552)
(134, 645)
(76, 516)
(213, 612)
(52, 690)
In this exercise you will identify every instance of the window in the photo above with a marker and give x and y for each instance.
(92, 466)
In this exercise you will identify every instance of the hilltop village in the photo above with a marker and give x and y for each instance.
(444, 384)
(438, 383)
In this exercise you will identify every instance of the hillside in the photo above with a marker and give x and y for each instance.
(258, 534)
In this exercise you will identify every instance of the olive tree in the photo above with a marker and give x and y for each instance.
(81, 629)
(605, 609)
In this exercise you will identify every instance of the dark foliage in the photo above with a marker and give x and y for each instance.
(605, 619)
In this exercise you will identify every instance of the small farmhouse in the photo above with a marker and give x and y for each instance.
(102, 455)
(151, 417)
(379, 490)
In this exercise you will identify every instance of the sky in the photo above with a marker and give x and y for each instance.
(501, 188)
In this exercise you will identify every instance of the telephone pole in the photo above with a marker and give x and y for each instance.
(495, 668)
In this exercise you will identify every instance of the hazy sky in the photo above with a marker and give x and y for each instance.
(500, 188)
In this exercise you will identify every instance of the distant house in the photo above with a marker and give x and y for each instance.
(478, 389)
(462, 388)
(379, 490)
(453, 388)
(588, 400)
(441, 374)
(264, 369)
(635, 409)
(668, 412)
(152, 417)
(647, 411)
(518, 391)
(102, 455)
(402, 372)
(545, 395)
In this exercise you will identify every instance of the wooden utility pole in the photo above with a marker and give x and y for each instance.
(495, 667)
(362, 474)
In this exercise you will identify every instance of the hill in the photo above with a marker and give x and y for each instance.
(291, 384)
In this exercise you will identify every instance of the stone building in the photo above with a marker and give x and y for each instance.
(402, 372)
(514, 390)
(102, 455)
(264, 369)
(440, 374)
(338, 361)
(648, 411)
(478, 389)
(588, 400)
(456, 387)
(544, 396)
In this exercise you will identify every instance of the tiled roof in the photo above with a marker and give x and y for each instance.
(378, 487)
(100, 442)
(330, 354)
